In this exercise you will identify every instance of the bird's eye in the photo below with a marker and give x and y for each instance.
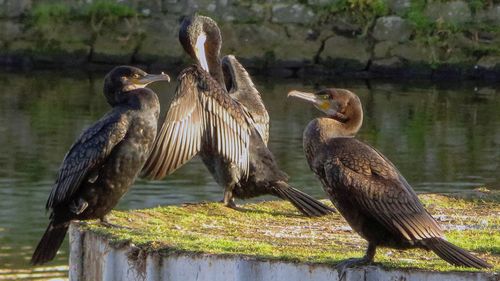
(136, 76)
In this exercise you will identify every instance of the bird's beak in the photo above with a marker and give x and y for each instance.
(305, 96)
(150, 78)
(310, 98)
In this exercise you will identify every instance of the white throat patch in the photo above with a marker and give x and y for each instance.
(200, 50)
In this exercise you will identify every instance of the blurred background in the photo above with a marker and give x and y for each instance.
(427, 74)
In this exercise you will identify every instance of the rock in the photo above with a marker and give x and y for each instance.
(454, 12)
(65, 54)
(10, 30)
(297, 49)
(346, 53)
(412, 52)
(188, 7)
(322, 2)
(392, 28)
(269, 45)
(489, 63)
(161, 43)
(145, 7)
(386, 67)
(400, 7)
(114, 51)
(491, 15)
(242, 41)
(19, 47)
(13, 8)
(296, 13)
(117, 43)
(243, 14)
(344, 26)
(382, 49)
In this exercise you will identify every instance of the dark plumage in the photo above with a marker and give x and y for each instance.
(105, 160)
(366, 187)
(230, 138)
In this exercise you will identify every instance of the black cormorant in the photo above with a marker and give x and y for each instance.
(366, 187)
(204, 118)
(105, 160)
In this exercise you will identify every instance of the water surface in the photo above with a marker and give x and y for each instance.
(442, 137)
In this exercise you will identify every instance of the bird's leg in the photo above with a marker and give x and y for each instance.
(368, 258)
(228, 197)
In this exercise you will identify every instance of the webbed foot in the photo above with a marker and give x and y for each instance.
(343, 266)
(368, 258)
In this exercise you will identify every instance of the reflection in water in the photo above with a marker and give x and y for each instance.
(441, 138)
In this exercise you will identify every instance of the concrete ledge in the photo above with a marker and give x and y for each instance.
(93, 258)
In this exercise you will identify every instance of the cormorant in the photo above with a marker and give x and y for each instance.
(366, 188)
(204, 118)
(105, 160)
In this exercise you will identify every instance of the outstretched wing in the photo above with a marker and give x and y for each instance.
(180, 136)
(242, 89)
(380, 191)
(201, 114)
(87, 154)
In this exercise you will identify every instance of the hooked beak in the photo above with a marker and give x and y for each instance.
(321, 104)
(150, 78)
(305, 96)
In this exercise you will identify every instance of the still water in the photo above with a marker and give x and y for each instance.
(443, 138)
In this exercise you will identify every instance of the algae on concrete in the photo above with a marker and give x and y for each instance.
(275, 231)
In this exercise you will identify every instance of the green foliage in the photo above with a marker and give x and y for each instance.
(433, 34)
(363, 12)
(476, 5)
(105, 11)
(46, 14)
(49, 20)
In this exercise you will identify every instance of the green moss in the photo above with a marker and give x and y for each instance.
(50, 20)
(47, 13)
(361, 12)
(102, 12)
(274, 230)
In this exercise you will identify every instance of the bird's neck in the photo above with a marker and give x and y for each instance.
(215, 68)
(321, 130)
(325, 128)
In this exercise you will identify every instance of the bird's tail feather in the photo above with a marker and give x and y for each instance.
(454, 254)
(49, 244)
(302, 201)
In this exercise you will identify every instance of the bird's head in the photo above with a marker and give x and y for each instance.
(339, 104)
(127, 78)
(200, 37)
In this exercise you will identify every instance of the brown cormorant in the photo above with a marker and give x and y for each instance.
(366, 188)
(105, 160)
(205, 119)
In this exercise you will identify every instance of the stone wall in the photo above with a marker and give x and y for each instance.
(287, 38)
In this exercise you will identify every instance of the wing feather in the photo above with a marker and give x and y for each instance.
(243, 90)
(88, 152)
(381, 192)
(200, 115)
(168, 153)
